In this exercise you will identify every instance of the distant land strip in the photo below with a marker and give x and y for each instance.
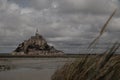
(49, 56)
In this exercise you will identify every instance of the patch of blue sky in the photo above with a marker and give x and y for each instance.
(21, 3)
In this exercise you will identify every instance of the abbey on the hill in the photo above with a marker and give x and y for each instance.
(36, 45)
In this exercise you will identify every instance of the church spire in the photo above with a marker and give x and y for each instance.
(37, 35)
(36, 32)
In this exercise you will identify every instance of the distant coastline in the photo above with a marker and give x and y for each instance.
(8, 55)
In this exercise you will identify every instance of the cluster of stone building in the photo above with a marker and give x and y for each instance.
(36, 45)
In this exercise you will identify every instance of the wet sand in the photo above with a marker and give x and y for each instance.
(32, 68)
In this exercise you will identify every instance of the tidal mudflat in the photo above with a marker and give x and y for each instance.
(31, 68)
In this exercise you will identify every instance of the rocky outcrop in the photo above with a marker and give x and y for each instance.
(36, 45)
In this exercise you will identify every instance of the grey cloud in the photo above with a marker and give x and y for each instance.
(68, 32)
(88, 6)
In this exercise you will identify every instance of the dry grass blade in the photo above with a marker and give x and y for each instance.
(104, 59)
(108, 55)
(103, 29)
(94, 41)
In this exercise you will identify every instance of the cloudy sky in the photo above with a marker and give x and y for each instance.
(69, 25)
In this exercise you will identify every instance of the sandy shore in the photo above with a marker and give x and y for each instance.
(32, 69)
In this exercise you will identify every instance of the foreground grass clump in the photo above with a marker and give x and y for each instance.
(99, 67)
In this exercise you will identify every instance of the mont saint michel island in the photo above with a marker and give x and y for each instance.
(36, 45)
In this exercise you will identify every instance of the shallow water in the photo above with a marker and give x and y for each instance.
(32, 68)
